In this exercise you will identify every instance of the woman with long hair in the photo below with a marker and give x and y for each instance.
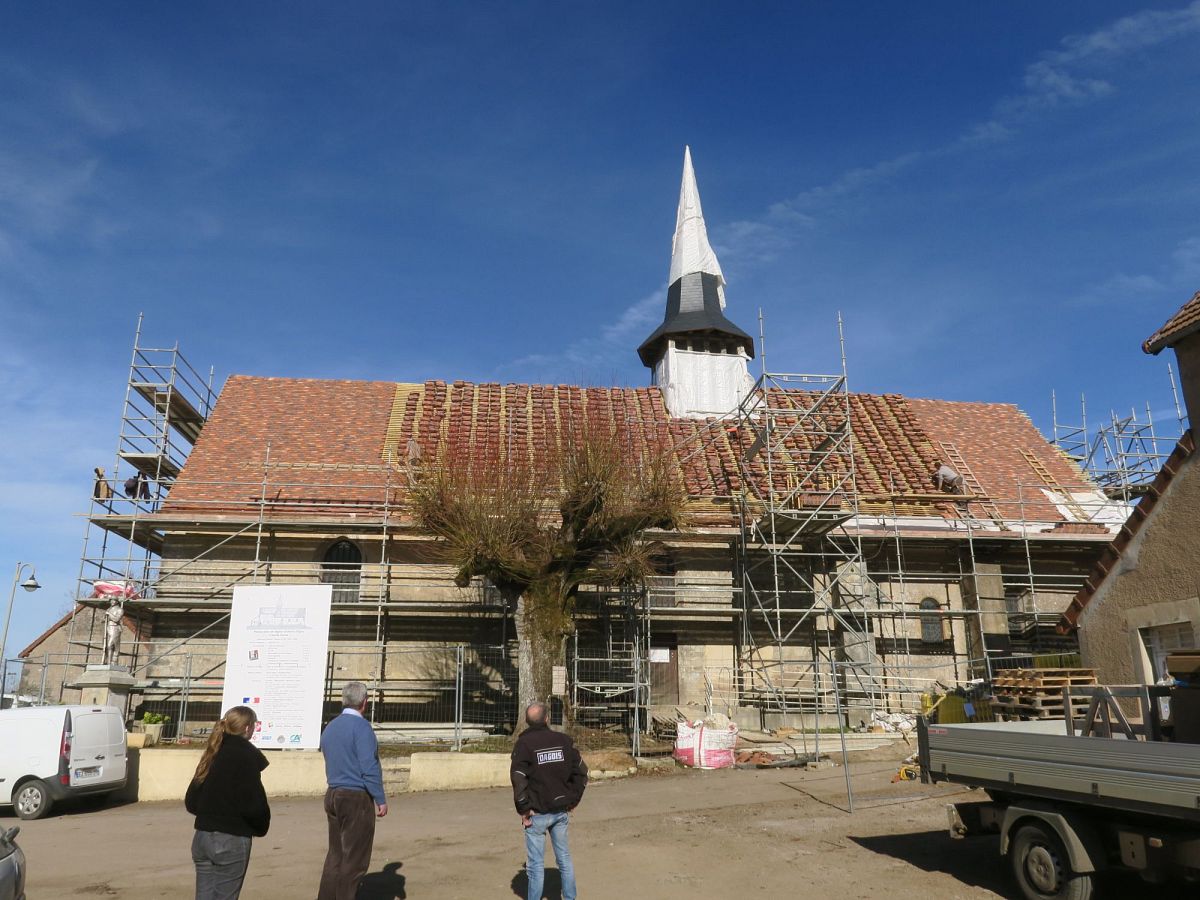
(227, 798)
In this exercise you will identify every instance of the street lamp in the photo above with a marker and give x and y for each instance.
(30, 584)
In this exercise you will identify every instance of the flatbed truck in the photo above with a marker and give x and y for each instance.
(1070, 803)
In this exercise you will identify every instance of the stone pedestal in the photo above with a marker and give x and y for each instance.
(104, 686)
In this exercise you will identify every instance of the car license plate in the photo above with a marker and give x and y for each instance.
(90, 772)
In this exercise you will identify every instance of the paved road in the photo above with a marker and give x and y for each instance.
(717, 834)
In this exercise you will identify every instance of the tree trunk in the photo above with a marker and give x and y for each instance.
(540, 647)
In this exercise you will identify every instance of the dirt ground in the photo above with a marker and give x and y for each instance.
(701, 834)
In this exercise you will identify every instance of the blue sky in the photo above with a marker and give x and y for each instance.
(1000, 198)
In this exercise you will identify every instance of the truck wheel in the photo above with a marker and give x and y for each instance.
(32, 800)
(1042, 868)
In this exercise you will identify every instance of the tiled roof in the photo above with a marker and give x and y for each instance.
(322, 433)
(1180, 325)
(302, 433)
(991, 437)
(1141, 513)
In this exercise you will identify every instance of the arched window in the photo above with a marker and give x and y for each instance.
(342, 567)
(931, 622)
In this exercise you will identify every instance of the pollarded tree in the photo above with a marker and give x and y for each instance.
(540, 533)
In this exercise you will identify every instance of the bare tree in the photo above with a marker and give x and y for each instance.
(540, 533)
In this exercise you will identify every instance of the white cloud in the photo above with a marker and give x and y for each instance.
(640, 317)
(1177, 275)
(60, 177)
(1186, 259)
(42, 194)
(1069, 75)
(1135, 32)
(591, 359)
(1117, 289)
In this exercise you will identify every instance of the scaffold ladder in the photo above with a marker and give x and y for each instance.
(1053, 484)
(970, 482)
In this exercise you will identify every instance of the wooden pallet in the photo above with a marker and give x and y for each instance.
(1033, 701)
(1025, 713)
(1039, 681)
(1037, 693)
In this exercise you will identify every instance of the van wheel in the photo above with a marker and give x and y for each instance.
(1043, 870)
(32, 800)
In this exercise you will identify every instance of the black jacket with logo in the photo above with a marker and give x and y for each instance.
(548, 774)
(231, 798)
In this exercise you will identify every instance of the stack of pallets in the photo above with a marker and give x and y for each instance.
(1035, 693)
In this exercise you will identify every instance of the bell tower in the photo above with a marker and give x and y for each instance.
(697, 356)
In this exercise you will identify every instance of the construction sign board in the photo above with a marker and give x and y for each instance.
(275, 663)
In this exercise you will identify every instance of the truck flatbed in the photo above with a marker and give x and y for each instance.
(1039, 759)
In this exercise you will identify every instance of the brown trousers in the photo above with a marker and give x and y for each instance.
(351, 816)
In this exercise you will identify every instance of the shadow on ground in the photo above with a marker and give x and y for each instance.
(77, 806)
(551, 887)
(974, 861)
(387, 884)
(977, 862)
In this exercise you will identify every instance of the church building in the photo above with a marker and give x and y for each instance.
(822, 570)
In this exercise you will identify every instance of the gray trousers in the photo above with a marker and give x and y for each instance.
(221, 861)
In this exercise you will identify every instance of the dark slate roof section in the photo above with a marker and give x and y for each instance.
(693, 304)
(1141, 513)
(1186, 321)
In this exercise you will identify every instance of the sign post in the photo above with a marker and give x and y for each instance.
(275, 663)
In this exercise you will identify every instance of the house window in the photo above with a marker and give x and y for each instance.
(342, 567)
(931, 622)
(1163, 640)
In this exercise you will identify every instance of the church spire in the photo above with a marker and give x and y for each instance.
(697, 355)
(690, 249)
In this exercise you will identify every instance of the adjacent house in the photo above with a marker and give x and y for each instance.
(1142, 600)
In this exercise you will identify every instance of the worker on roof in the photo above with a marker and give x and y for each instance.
(946, 480)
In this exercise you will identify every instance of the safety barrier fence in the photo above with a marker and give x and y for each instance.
(443, 695)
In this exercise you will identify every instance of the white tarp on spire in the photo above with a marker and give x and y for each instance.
(690, 250)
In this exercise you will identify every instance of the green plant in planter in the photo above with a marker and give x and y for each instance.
(152, 718)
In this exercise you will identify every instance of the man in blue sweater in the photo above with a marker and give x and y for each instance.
(355, 796)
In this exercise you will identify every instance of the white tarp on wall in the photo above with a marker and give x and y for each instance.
(696, 385)
(278, 641)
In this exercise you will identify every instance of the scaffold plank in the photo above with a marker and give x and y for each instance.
(170, 401)
(155, 466)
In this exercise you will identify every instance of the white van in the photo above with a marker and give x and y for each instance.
(52, 753)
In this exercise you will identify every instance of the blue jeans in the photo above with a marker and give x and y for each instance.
(535, 854)
(221, 861)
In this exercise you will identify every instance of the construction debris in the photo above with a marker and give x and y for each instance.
(890, 723)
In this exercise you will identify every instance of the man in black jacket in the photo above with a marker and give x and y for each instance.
(548, 778)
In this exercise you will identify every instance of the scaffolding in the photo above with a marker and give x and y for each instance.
(132, 515)
(609, 662)
(827, 606)
(839, 623)
(167, 401)
(1125, 452)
